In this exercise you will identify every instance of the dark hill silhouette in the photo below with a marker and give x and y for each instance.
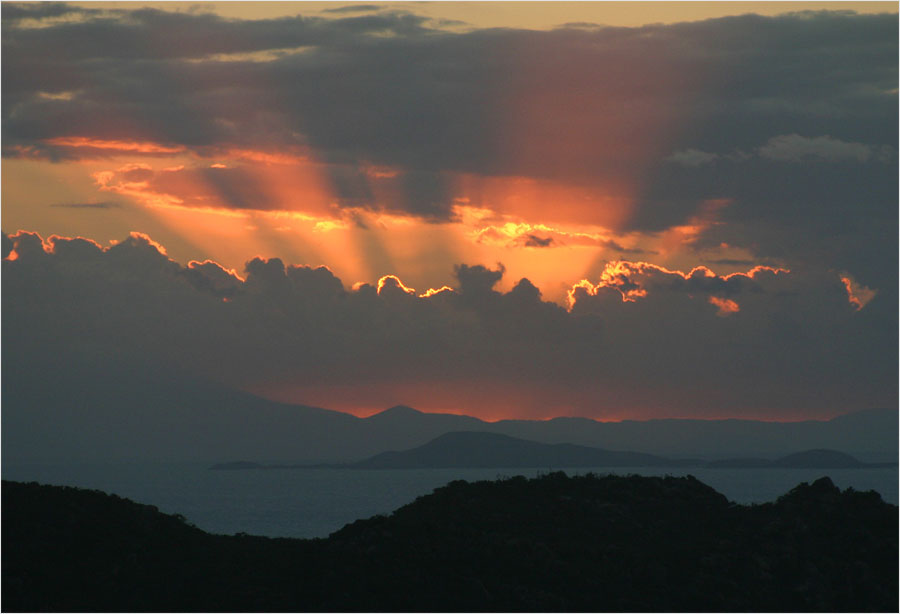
(474, 449)
(397, 412)
(52, 414)
(554, 543)
(869, 435)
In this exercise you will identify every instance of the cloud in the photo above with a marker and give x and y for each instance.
(791, 148)
(640, 338)
(523, 234)
(732, 261)
(354, 8)
(796, 148)
(859, 295)
(17, 11)
(726, 305)
(635, 280)
(240, 187)
(477, 280)
(211, 277)
(426, 194)
(536, 241)
(692, 157)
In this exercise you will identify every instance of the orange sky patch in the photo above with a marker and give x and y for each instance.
(139, 147)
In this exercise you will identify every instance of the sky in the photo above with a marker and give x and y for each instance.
(622, 210)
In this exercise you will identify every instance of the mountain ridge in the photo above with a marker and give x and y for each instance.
(480, 449)
(151, 415)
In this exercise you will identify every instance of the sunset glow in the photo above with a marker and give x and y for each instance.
(369, 205)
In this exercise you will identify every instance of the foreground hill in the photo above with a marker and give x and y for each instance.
(553, 543)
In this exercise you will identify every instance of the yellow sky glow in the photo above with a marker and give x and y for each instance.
(528, 15)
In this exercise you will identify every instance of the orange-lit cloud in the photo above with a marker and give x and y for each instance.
(392, 281)
(677, 237)
(633, 280)
(858, 294)
(523, 234)
(726, 305)
(433, 291)
(138, 147)
(545, 200)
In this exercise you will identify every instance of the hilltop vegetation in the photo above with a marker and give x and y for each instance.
(581, 543)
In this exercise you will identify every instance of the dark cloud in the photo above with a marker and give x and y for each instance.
(732, 262)
(354, 8)
(793, 341)
(618, 247)
(351, 186)
(151, 34)
(212, 278)
(477, 280)
(797, 148)
(536, 241)
(8, 245)
(427, 195)
(12, 12)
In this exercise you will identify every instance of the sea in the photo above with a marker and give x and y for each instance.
(311, 503)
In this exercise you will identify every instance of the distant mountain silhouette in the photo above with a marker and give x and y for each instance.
(135, 412)
(474, 449)
(555, 543)
(869, 435)
(398, 412)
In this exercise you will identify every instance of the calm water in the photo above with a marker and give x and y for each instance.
(316, 502)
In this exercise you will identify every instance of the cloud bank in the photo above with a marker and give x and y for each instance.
(638, 341)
